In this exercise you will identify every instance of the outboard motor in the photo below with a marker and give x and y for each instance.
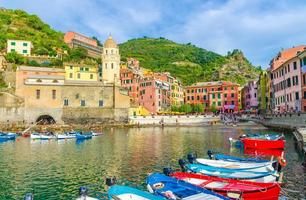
(110, 181)
(167, 171)
(277, 166)
(29, 196)
(210, 154)
(191, 158)
(83, 191)
(182, 164)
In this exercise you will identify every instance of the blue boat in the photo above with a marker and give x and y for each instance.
(172, 188)
(124, 192)
(266, 177)
(83, 136)
(5, 137)
(230, 158)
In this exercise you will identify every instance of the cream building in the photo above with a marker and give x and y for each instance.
(110, 62)
(20, 46)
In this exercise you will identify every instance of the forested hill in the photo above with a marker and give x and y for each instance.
(188, 62)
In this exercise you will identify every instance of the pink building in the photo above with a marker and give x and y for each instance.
(286, 80)
(154, 94)
(250, 96)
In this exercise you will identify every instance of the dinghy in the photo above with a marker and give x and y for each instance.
(254, 167)
(83, 136)
(239, 159)
(4, 137)
(128, 193)
(268, 141)
(42, 137)
(172, 188)
(234, 189)
(94, 134)
(67, 135)
(266, 177)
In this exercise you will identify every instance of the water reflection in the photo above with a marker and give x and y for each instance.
(55, 169)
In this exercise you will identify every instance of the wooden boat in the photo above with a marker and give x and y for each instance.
(83, 136)
(5, 137)
(266, 177)
(128, 193)
(269, 141)
(239, 159)
(67, 135)
(234, 189)
(172, 188)
(239, 166)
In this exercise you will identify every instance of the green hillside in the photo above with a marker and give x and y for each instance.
(17, 24)
(188, 62)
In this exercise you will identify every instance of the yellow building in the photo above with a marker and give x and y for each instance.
(138, 111)
(81, 72)
(177, 93)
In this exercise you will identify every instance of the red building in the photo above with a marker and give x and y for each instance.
(222, 95)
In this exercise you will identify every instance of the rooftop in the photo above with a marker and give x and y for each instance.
(110, 43)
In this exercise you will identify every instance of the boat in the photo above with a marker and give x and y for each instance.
(266, 177)
(42, 137)
(239, 159)
(83, 136)
(263, 143)
(47, 137)
(5, 137)
(94, 134)
(264, 152)
(67, 135)
(128, 193)
(172, 188)
(234, 189)
(239, 166)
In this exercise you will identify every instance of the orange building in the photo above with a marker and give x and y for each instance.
(75, 40)
(222, 95)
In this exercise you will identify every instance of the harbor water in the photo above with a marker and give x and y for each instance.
(56, 169)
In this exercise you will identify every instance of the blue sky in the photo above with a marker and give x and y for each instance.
(260, 28)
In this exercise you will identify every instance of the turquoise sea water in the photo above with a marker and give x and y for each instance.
(56, 169)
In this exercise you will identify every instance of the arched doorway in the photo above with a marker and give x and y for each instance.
(45, 119)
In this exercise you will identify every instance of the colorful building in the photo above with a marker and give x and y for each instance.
(250, 96)
(220, 95)
(76, 40)
(19, 46)
(302, 57)
(81, 72)
(286, 80)
(154, 95)
(262, 91)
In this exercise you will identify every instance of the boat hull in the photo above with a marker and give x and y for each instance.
(250, 143)
(63, 137)
(232, 188)
(124, 192)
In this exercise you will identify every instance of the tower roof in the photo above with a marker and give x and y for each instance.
(110, 43)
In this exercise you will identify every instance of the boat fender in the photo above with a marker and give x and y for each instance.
(210, 154)
(83, 191)
(167, 171)
(282, 161)
(182, 164)
(110, 181)
(29, 196)
(191, 158)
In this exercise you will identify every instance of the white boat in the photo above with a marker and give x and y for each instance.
(96, 133)
(42, 137)
(35, 136)
(66, 136)
(86, 198)
(252, 166)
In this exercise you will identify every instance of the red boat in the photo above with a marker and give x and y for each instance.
(257, 143)
(234, 189)
(264, 152)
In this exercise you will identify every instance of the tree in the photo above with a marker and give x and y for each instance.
(174, 108)
(197, 108)
(213, 108)
(186, 108)
(77, 54)
(15, 58)
(98, 41)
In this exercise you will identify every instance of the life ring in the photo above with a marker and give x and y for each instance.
(282, 161)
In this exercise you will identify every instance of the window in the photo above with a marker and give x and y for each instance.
(87, 69)
(213, 96)
(70, 75)
(106, 51)
(24, 51)
(294, 65)
(219, 96)
(296, 80)
(204, 97)
(188, 98)
(100, 103)
(79, 75)
(81, 69)
(13, 50)
(71, 67)
(254, 95)
(112, 65)
(91, 76)
(13, 43)
(219, 103)
(304, 94)
(25, 44)
(233, 95)
(37, 94)
(297, 96)
(105, 65)
(53, 94)
(225, 95)
(82, 102)
(233, 103)
(66, 103)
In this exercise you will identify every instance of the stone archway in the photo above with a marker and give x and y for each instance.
(45, 119)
